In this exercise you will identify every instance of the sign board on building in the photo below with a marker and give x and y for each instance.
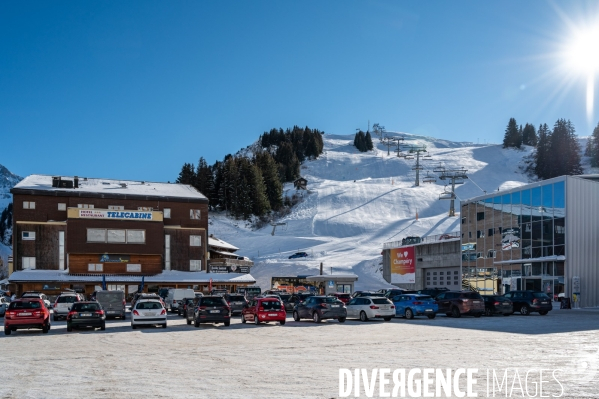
(100, 214)
(106, 258)
(230, 269)
(576, 285)
(403, 265)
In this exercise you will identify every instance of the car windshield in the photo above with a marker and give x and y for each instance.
(67, 299)
(80, 307)
(109, 296)
(540, 295)
(471, 295)
(330, 299)
(148, 305)
(236, 298)
(380, 301)
(424, 298)
(212, 302)
(271, 305)
(25, 305)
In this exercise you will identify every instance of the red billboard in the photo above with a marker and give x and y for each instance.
(403, 265)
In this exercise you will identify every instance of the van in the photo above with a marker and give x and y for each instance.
(113, 303)
(176, 295)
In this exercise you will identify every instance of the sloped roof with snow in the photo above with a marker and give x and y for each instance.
(218, 243)
(109, 188)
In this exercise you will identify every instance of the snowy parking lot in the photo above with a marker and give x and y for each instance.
(297, 360)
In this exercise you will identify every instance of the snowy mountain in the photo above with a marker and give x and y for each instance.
(7, 181)
(357, 201)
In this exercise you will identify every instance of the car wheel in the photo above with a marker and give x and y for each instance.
(227, 323)
(316, 317)
(256, 321)
(431, 316)
(55, 318)
(164, 325)
(363, 316)
(409, 314)
(133, 327)
(488, 312)
(243, 320)
(296, 316)
(282, 322)
(188, 322)
(70, 327)
(387, 318)
(196, 323)
(455, 312)
(7, 331)
(524, 310)
(543, 312)
(507, 314)
(103, 327)
(341, 319)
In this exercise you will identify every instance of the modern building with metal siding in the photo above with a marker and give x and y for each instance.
(540, 236)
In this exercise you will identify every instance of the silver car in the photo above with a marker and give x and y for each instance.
(148, 312)
(63, 304)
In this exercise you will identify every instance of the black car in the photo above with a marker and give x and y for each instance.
(529, 301)
(236, 302)
(209, 309)
(318, 308)
(182, 308)
(86, 314)
(497, 304)
(300, 297)
(287, 302)
(393, 292)
(298, 255)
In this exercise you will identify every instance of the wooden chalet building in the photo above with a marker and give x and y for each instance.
(78, 232)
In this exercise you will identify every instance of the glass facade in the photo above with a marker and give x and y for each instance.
(501, 233)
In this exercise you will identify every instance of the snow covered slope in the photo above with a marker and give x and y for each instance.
(358, 201)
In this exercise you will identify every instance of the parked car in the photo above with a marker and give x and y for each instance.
(209, 309)
(367, 293)
(148, 312)
(250, 291)
(185, 302)
(301, 297)
(527, 302)
(287, 301)
(175, 295)
(4, 302)
(27, 313)
(497, 304)
(298, 255)
(113, 302)
(410, 305)
(236, 302)
(411, 240)
(458, 303)
(365, 308)
(343, 297)
(35, 294)
(263, 310)
(393, 292)
(63, 303)
(432, 292)
(319, 308)
(219, 291)
(86, 314)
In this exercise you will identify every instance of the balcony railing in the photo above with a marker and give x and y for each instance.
(230, 262)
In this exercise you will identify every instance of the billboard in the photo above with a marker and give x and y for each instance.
(403, 265)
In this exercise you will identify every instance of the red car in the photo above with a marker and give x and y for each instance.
(342, 297)
(264, 310)
(26, 313)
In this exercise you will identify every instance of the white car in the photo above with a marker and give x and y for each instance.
(366, 307)
(148, 312)
(4, 302)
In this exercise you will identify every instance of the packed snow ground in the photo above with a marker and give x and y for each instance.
(358, 201)
(297, 360)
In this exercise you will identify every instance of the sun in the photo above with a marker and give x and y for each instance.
(583, 54)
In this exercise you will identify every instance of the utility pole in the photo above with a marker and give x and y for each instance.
(455, 176)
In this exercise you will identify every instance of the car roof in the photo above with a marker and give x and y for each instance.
(28, 299)
(149, 300)
(84, 302)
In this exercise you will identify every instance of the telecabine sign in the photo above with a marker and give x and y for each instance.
(403, 265)
(96, 214)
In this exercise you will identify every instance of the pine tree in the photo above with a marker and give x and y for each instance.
(187, 174)
(369, 145)
(542, 156)
(513, 136)
(204, 181)
(592, 149)
(274, 188)
(529, 135)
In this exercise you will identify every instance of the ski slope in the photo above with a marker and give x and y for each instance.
(357, 201)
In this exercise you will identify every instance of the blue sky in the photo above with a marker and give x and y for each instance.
(133, 90)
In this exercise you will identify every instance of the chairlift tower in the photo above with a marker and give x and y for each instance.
(398, 145)
(455, 176)
(274, 226)
(388, 141)
(417, 150)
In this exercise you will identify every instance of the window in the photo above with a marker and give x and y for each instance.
(62, 207)
(28, 205)
(195, 241)
(463, 220)
(480, 234)
(469, 234)
(442, 273)
(134, 268)
(136, 236)
(28, 235)
(61, 250)
(167, 252)
(479, 255)
(28, 262)
(95, 267)
(194, 214)
(492, 253)
(195, 265)
(491, 231)
(116, 236)
(85, 206)
(167, 213)
(116, 207)
(480, 216)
